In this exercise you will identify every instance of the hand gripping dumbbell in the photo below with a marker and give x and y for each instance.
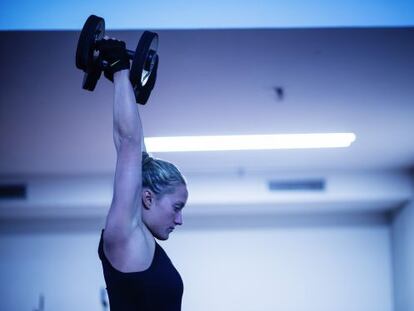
(143, 72)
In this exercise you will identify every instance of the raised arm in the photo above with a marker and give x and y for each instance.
(125, 212)
(124, 215)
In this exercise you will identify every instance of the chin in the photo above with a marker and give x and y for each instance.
(162, 237)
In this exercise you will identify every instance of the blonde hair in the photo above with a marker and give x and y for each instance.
(160, 176)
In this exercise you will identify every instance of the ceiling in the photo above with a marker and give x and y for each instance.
(216, 82)
(213, 14)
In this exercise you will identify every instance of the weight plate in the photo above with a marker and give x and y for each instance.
(144, 59)
(91, 77)
(93, 30)
(142, 95)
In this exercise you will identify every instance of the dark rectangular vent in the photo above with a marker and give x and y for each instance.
(297, 185)
(17, 191)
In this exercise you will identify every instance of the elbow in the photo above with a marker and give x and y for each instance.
(128, 136)
(130, 140)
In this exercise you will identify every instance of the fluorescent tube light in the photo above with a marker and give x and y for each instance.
(248, 142)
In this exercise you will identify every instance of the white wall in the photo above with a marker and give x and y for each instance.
(403, 252)
(319, 263)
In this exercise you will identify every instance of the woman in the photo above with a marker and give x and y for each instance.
(149, 195)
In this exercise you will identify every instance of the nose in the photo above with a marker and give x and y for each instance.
(178, 218)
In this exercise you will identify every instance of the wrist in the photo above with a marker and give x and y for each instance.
(121, 74)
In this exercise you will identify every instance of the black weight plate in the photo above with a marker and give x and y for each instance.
(147, 47)
(93, 30)
(142, 96)
(91, 78)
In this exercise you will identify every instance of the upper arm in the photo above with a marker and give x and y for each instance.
(125, 212)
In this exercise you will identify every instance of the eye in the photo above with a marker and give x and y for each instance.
(178, 208)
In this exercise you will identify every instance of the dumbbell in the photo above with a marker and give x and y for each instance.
(143, 72)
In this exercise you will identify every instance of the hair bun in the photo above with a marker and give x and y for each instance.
(146, 158)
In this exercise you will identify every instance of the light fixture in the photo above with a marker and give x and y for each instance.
(248, 142)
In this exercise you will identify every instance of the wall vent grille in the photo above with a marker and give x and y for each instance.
(15, 191)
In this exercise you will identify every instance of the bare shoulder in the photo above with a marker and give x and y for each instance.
(133, 254)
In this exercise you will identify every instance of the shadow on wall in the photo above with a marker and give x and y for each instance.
(205, 222)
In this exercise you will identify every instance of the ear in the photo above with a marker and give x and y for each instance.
(147, 198)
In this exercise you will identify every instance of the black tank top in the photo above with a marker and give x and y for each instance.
(158, 288)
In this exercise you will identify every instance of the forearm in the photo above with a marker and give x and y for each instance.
(127, 122)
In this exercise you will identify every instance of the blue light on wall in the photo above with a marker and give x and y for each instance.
(216, 14)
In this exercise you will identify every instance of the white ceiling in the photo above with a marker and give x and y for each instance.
(214, 82)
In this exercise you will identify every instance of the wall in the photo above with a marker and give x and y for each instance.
(403, 257)
(215, 14)
(326, 262)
